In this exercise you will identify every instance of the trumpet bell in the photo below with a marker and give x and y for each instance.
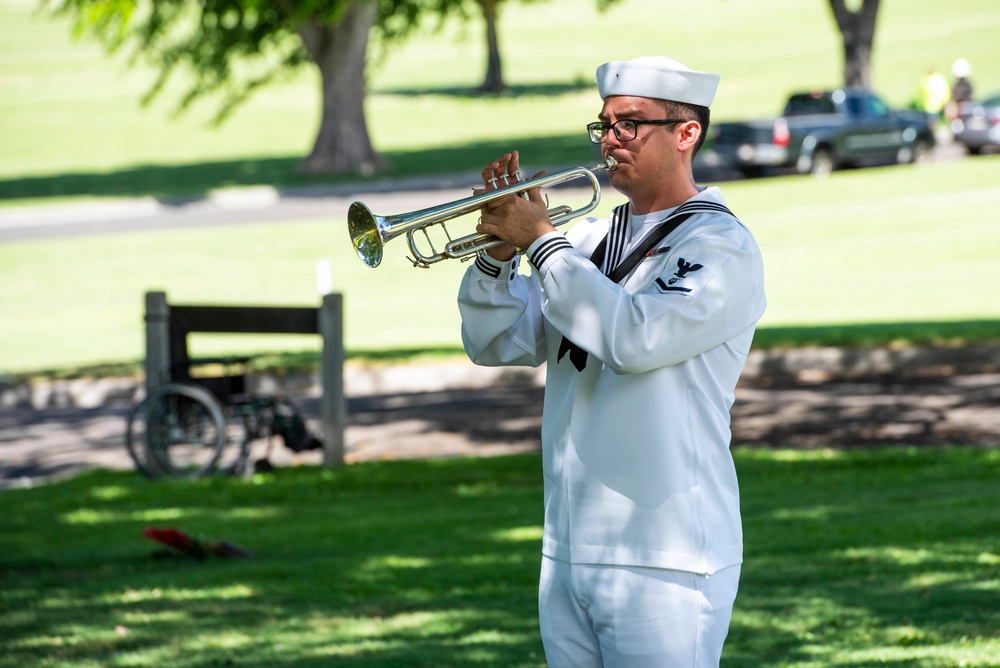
(365, 234)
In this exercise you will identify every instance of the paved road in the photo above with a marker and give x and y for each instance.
(245, 205)
(261, 204)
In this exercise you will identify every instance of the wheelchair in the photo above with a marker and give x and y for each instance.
(191, 426)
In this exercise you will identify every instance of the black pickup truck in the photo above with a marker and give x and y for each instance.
(822, 131)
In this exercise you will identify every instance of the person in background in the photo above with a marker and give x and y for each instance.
(932, 93)
(961, 89)
(644, 320)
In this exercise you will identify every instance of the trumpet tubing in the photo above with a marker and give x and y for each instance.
(369, 232)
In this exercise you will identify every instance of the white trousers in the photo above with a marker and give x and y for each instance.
(596, 616)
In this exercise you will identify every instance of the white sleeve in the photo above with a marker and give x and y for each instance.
(501, 316)
(709, 290)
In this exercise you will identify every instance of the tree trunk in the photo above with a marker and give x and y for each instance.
(342, 143)
(857, 30)
(493, 83)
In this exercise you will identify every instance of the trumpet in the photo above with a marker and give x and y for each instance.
(369, 233)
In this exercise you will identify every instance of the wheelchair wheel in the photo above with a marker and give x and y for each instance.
(182, 431)
(136, 442)
(236, 450)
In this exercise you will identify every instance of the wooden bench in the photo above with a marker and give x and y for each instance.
(168, 326)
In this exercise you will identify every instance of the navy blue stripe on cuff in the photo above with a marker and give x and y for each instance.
(547, 249)
(483, 265)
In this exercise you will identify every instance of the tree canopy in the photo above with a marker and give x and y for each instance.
(233, 47)
(230, 48)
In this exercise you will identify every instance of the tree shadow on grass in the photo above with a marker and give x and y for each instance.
(187, 182)
(869, 553)
(435, 563)
(418, 563)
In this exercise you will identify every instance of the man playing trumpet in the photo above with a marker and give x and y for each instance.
(645, 320)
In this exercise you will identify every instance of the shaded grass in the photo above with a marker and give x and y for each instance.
(872, 558)
(873, 335)
(856, 249)
(846, 259)
(181, 181)
(861, 558)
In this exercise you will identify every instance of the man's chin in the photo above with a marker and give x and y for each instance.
(619, 176)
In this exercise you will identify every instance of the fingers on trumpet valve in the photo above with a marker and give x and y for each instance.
(512, 170)
(501, 173)
(508, 178)
(490, 175)
(504, 169)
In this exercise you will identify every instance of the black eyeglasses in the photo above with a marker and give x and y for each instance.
(624, 130)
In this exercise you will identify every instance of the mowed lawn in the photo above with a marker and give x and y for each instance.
(67, 109)
(882, 245)
(853, 559)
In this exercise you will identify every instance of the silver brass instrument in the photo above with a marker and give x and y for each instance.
(369, 232)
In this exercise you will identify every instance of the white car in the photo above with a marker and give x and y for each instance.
(977, 125)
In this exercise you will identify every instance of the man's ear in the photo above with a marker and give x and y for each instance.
(687, 135)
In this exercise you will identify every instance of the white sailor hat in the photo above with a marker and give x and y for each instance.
(961, 68)
(657, 77)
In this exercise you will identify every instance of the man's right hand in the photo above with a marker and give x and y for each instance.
(503, 172)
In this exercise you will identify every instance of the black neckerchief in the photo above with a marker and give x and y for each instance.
(619, 218)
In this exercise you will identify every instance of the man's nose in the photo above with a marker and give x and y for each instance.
(611, 139)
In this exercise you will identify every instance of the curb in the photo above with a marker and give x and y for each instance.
(803, 365)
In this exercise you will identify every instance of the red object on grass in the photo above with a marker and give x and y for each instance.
(179, 540)
(171, 537)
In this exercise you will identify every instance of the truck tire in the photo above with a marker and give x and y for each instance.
(822, 162)
(918, 151)
(922, 151)
(755, 171)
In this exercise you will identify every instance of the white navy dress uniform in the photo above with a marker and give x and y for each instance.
(640, 378)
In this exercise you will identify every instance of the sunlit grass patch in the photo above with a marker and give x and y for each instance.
(852, 559)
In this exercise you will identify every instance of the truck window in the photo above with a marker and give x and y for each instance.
(856, 107)
(866, 106)
(803, 104)
(879, 108)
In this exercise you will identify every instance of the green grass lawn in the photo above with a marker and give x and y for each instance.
(70, 115)
(866, 247)
(856, 559)
(895, 245)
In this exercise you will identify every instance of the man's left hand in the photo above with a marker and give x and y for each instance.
(517, 220)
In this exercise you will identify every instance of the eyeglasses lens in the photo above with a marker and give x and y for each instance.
(625, 130)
